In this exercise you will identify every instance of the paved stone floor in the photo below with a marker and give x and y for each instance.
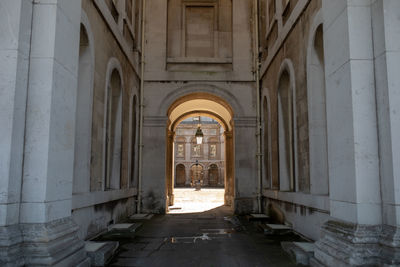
(188, 200)
(210, 238)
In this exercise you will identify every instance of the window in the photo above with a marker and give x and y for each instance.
(180, 150)
(200, 25)
(213, 151)
(196, 150)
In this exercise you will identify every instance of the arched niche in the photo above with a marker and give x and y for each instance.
(113, 131)
(316, 96)
(84, 104)
(287, 128)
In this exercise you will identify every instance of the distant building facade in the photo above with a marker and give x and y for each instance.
(199, 162)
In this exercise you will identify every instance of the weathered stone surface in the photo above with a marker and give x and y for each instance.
(351, 244)
(53, 243)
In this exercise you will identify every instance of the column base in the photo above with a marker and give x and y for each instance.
(10, 246)
(390, 243)
(54, 243)
(353, 244)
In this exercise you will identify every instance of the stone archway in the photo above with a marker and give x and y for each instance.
(201, 104)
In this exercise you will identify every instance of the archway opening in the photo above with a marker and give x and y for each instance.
(199, 175)
(198, 180)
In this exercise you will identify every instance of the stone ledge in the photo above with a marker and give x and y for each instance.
(89, 199)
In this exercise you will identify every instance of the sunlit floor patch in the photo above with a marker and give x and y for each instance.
(188, 200)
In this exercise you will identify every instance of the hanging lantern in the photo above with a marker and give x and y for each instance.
(199, 136)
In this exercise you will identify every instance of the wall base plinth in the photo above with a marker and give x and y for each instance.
(10, 246)
(53, 244)
(344, 244)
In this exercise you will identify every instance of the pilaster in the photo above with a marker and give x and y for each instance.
(352, 237)
(49, 235)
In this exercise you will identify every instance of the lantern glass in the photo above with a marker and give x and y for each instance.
(199, 140)
(199, 136)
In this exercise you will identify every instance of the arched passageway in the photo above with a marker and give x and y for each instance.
(195, 105)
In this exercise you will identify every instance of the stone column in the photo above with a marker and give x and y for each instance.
(229, 183)
(169, 168)
(355, 200)
(15, 29)
(188, 178)
(45, 214)
(205, 174)
(245, 164)
(205, 154)
(154, 196)
(386, 25)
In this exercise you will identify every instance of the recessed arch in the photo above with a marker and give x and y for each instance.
(287, 130)
(316, 98)
(200, 103)
(113, 126)
(207, 91)
(84, 105)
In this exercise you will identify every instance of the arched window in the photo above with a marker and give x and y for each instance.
(133, 141)
(180, 180)
(286, 133)
(266, 138)
(83, 125)
(317, 113)
(113, 140)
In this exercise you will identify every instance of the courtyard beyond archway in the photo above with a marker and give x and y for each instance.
(190, 200)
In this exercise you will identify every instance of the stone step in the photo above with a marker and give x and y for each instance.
(301, 252)
(121, 231)
(100, 253)
(275, 229)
